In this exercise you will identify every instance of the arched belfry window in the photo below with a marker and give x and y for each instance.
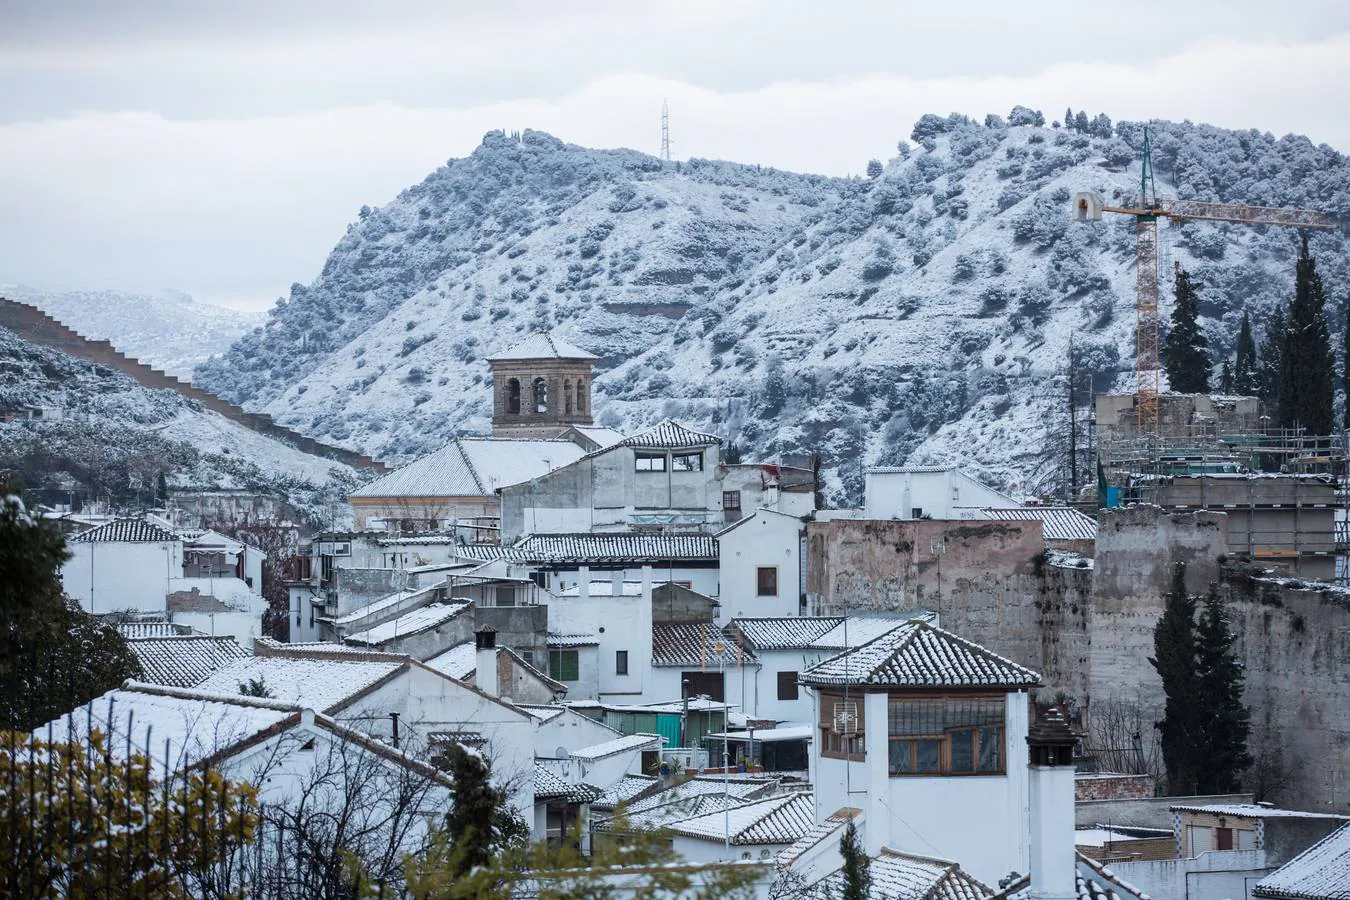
(513, 396)
(540, 395)
(567, 395)
(581, 396)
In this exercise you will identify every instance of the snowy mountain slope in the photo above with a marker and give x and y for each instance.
(924, 315)
(169, 331)
(110, 437)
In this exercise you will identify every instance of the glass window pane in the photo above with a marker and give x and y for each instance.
(991, 749)
(927, 756)
(902, 757)
(963, 750)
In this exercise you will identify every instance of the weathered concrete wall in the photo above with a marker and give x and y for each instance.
(673, 603)
(1154, 812)
(987, 580)
(1112, 786)
(522, 628)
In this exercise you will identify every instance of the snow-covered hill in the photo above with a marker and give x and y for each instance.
(923, 315)
(169, 331)
(103, 435)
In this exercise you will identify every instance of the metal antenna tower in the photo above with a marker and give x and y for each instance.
(665, 130)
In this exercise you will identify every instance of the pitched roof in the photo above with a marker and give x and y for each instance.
(473, 467)
(126, 531)
(1059, 523)
(1322, 872)
(184, 660)
(776, 820)
(906, 876)
(854, 631)
(784, 633)
(697, 645)
(408, 624)
(919, 654)
(626, 789)
(1094, 881)
(1255, 811)
(323, 685)
(637, 547)
(153, 629)
(669, 435)
(623, 744)
(577, 639)
(459, 661)
(548, 785)
(542, 345)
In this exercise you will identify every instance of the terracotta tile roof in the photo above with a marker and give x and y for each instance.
(473, 467)
(919, 654)
(1322, 872)
(1095, 882)
(669, 435)
(548, 785)
(184, 660)
(133, 630)
(776, 820)
(785, 633)
(697, 645)
(611, 548)
(854, 631)
(905, 876)
(556, 639)
(627, 789)
(1060, 523)
(542, 345)
(126, 531)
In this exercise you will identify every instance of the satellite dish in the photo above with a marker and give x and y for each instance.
(561, 753)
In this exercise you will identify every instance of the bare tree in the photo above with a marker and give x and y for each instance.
(1121, 737)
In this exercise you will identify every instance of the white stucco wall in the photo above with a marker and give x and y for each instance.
(766, 538)
(948, 494)
(618, 623)
(112, 577)
(698, 850)
(760, 687)
(570, 731)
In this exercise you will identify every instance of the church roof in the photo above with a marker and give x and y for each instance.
(542, 345)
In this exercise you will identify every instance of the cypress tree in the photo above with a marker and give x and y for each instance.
(857, 866)
(1227, 722)
(1306, 369)
(1174, 659)
(1185, 353)
(1345, 365)
(1272, 355)
(1226, 378)
(1246, 377)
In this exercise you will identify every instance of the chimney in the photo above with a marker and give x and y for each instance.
(1054, 862)
(485, 662)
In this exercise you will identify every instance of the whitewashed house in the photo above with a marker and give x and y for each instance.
(758, 830)
(762, 568)
(698, 660)
(928, 492)
(926, 733)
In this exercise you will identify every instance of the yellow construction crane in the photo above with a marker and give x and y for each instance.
(1089, 206)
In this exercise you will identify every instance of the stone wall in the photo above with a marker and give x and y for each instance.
(1112, 786)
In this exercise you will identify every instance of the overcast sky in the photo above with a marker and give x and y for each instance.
(221, 149)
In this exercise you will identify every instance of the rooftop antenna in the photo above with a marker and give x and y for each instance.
(665, 130)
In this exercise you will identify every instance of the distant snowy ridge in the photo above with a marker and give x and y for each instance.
(170, 331)
(923, 315)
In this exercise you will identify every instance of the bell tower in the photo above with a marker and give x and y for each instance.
(540, 387)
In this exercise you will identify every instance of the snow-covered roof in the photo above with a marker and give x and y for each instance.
(548, 785)
(785, 632)
(384, 603)
(854, 631)
(1059, 523)
(489, 553)
(670, 435)
(126, 531)
(623, 744)
(195, 724)
(184, 660)
(322, 685)
(573, 639)
(153, 629)
(542, 345)
(625, 547)
(919, 654)
(768, 735)
(473, 467)
(906, 875)
(601, 437)
(1094, 882)
(697, 644)
(775, 820)
(408, 624)
(625, 789)
(460, 661)
(1255, 811)
(1322, 872)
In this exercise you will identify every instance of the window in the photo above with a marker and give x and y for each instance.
(842, 731)
(505, 595)
(513, 396)
(766, 581)
(567, 395)
(528, 656)
(946, 736)
(787, 686)
(1223, 839)
(650, 462)
(540, 395)
(731, 500)
(703, 684)
(564, 665)
(916, 512)
(620, 662)
(687, 462)
(581, 396)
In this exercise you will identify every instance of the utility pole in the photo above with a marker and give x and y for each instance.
(665, 130)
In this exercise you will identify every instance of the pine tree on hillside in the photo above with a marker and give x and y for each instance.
(1227, 722)
(1306, 369)
(857, 866)
(1174, 659)
(1270, 365)
(1246, 375)
(1186, 353)
(1226, 378)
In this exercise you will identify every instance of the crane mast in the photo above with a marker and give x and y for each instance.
(1150, 208)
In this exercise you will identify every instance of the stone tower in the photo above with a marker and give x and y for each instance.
(540, 387)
